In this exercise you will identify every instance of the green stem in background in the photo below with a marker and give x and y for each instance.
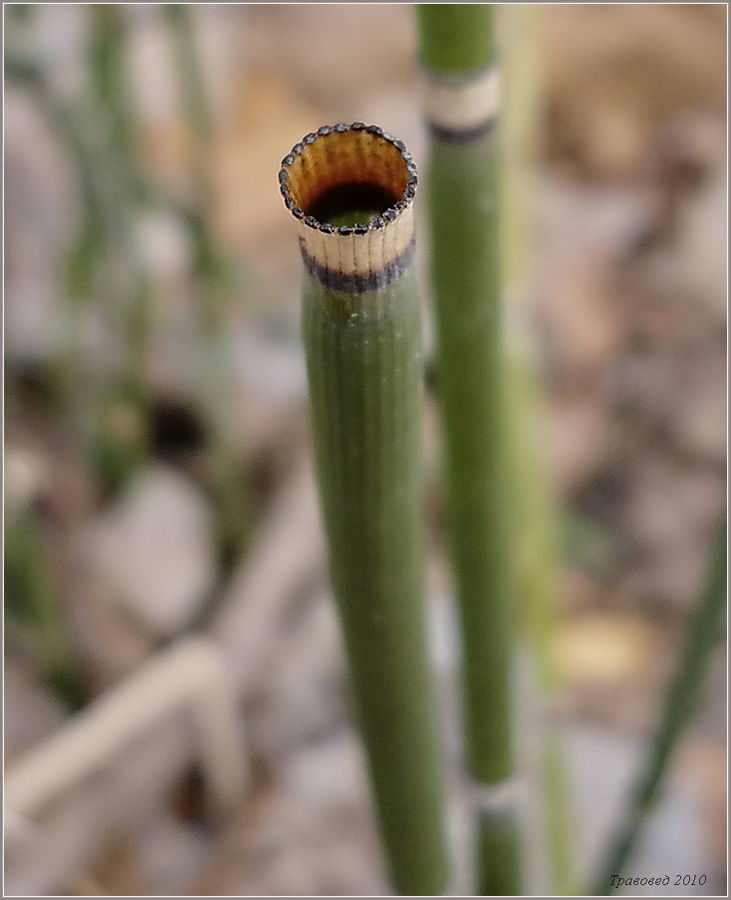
(110, 92)
(533, 534)
(107, 73)
(457, 50)
(95, 262)
(463, 210)
(32, 614)
(703, 634)
(364, 358)
(209, 263)
(559, 817)
(533, 507)
(120, 273)
(189, 74)
(456, 39)
(112, 190)
(498, 851)
(214, 277)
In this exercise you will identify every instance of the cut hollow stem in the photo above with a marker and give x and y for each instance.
(350, 188)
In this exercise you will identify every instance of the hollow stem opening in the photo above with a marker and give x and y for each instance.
(353, 203)
(348, 177)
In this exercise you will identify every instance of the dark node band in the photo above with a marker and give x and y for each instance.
(461, 135)
(361, 283)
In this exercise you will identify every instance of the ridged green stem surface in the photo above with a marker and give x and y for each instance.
(498, 855)
(365, 373)
(465, 265)
(462, 194)
(465, 226)
(455, 37)
(703, 635)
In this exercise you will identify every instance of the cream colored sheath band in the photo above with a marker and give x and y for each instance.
(363, 256)
(498, 797)
(456, 103)
(360, 254)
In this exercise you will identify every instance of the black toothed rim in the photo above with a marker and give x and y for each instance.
(379, 221)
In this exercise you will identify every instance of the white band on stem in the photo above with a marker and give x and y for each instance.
(458, 104)
(498, 797)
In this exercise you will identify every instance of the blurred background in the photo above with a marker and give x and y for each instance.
(162, 539)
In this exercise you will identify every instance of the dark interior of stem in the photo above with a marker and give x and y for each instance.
(354, 203)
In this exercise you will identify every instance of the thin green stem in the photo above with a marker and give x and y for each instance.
(119, 442)
(32, 610)
(456, 37)
(462, 186)
(534, 532)
(533, 535)
(213, 274)
(109, 83)
(94, 262)
(470, 382)
(190, 78)
(107, 72)
(703, 634)
(558, 813)
(498, 854)
(209, 263)
(456, 49)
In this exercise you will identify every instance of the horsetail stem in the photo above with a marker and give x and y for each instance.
(364, 359)
(702, 636)
(532, 504)
(457, 52)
